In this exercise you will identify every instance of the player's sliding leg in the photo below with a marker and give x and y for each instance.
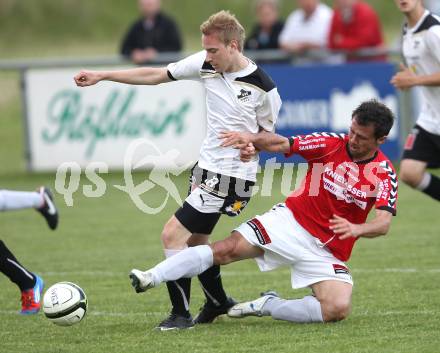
(305, 310)
(332, 302)
(195, 260)
(187, 263)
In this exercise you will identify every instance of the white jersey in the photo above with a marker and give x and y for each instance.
(421, 49)
(315, 29)
(246, 100)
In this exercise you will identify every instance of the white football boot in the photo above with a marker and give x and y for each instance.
(251, 308)
(140, 280)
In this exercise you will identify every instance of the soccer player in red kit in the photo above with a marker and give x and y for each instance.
(315, 230)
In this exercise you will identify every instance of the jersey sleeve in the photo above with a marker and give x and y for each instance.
(432, 39)
(316, 145)
(267, 112)
(386, 198)
(187, 68)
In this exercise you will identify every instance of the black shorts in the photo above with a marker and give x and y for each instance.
(210, 195)
(424, 146)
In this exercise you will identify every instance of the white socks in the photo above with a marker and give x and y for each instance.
(16, 200)
(305, 310)
(426, 180)
(185, 263)
(171, 252)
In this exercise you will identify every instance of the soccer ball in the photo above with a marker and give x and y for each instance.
(65, 304)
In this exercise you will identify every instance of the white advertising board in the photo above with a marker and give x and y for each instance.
(66, 123)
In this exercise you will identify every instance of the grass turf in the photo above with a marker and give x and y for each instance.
(395, 300)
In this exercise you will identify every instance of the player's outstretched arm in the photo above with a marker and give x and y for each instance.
(136, 76)
(263, 140)
(378, 226)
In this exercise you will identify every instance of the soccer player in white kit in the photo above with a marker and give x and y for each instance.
(315, 230)
(421, 50)
(239, 97)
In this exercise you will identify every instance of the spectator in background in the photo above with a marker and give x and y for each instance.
(354, 26)
(266, 31)
(154, 32)
(306, 28)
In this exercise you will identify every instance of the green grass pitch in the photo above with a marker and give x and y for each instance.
(395, 302)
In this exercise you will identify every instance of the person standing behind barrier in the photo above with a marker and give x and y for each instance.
(154, 32)
(354, 26)
(421, 50)
(266, 31)
(306, 28)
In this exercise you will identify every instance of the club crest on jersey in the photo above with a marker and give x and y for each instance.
(244, 95)
(235, 208)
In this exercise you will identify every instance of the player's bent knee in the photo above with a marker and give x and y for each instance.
(170, 236)
(412, 178)
(336, 311)
(411, 172)
(166, 235)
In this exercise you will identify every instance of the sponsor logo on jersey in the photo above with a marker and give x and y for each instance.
(244, 95)
(343, 189)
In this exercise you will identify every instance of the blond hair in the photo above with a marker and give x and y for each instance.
(226, 26)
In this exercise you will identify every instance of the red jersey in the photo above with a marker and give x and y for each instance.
(362, 30)
(334, 184)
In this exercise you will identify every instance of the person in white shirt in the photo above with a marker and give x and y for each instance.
(306, 28)
(421, 50)
(240, 96)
